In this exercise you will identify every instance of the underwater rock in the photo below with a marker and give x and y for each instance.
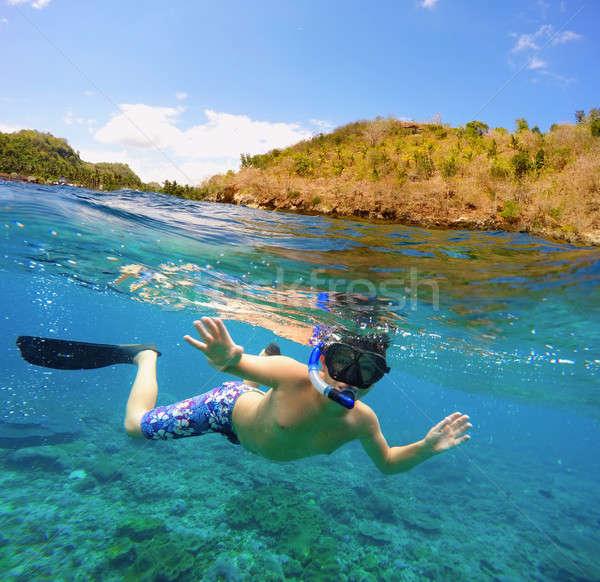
(141, 528)
(51, 459)
(16, 435)
(422, 522)
(122, 553)
(568, 566)
(374, 532)
(83, 485)
(223, 569)
(179, 507)
(78, 474)
(298, 526)
(105, 469)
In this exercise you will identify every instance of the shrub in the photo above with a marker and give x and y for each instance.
(304, 165)
(501, 130)
(449, 167)
(595, 127)
(540, 159)
(316, 200)
(560, 157)
(338, 167)
(259, 161)
(424, 164)
(293, 194)
(521, 164)
(510, 210)
(500, 169)
(556, 212)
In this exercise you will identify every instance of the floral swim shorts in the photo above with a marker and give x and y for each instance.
(207, 412)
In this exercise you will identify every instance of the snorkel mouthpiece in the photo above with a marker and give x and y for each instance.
(343, 397)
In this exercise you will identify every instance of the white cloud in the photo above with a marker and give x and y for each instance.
(531, 46)
(545, 35)
(524, 42)
(428, 3)
(566, 36)
(181, 95)
(157, 149)
(70, 119)
(321, 124)
(39, 4)
(5, 128)
(89, 93)
(536, 63)
(4, 20)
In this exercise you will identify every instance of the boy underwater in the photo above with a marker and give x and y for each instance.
(304, 413)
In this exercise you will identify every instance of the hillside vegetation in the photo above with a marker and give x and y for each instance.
(431, 174)
(45, 158)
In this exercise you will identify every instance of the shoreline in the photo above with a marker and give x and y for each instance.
(477, 222)
(426, 218)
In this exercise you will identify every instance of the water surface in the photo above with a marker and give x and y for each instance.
(502, 326)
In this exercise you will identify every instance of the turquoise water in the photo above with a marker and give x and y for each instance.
(504, 327)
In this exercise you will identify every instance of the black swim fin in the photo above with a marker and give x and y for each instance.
(72, 355)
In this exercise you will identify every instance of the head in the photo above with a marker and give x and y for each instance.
(271, 350)
(354, 360)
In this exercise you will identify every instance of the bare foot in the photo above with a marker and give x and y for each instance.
(145, 356)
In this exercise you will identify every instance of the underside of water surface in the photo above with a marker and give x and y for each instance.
(503, 326)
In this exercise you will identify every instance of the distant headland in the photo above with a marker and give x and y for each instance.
(422, 174)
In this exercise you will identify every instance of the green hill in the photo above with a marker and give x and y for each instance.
(430, 174)
(47, 158)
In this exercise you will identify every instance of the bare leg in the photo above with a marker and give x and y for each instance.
(142, 397)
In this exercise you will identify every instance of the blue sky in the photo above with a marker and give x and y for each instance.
(179, 89)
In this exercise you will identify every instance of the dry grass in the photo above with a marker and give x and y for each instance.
(432, 175)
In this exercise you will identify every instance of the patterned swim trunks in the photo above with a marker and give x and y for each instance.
(207, 412)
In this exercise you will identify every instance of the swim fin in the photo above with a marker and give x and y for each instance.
(73, 355)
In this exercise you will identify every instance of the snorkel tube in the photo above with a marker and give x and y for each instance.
(345, 397)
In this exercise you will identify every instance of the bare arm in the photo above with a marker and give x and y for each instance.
(225, 355)
(390, 460)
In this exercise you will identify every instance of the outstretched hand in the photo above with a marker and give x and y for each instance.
(448, 433)
(218, 347)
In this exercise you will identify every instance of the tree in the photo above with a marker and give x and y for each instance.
(476, 128)
(521, 124)
(521, 164)
(580, 115)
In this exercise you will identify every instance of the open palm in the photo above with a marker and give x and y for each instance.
(448, 433)
(220, 350)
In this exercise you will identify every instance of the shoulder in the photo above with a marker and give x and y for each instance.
(366, 419)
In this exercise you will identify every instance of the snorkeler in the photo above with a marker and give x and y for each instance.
(305, 412)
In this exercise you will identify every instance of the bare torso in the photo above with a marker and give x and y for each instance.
(291, 422)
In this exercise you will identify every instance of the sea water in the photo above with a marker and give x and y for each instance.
(503, 327)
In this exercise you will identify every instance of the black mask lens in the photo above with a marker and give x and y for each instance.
(348, 364)
(372, 368)
(338, 357)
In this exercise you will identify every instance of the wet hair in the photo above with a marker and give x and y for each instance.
(370, 342)
(272, 350)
